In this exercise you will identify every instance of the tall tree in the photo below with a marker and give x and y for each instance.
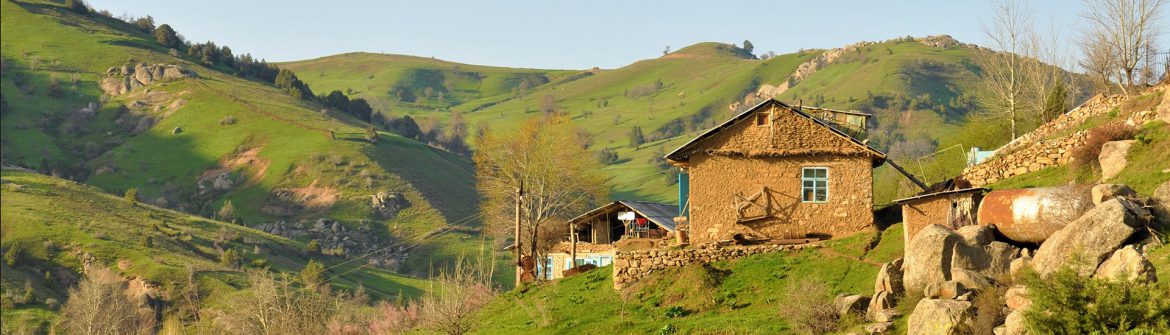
(747, 45)
(1003, 68)
(1128, 27)
(166, 36)
(559, 180)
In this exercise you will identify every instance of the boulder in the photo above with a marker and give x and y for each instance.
(970, 257)
(1106, 192)
(851, 304)
(880, 301)
(949, 289)
(1018, 266)
(970, 279)
(1016, 297)
(940, 317)
(977, 235)
(1127, 263)
(885, 315)
(1014, 324)
(889, 278)
(1085, 242)
(1001, 256)
(878, 327)
(928, 257)
(1113, 158)
(1161, 205)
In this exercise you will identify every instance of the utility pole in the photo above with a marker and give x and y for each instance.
(573, 239)
(519, 196)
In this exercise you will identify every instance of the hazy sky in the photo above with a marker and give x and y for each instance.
(564, 34)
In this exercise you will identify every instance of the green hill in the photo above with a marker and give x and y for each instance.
(52, 224)
(918, 89)
(172, 140)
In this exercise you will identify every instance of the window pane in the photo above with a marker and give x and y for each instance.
(822, 173)
(807, 173)
(822, 195)
(821, 184)
(808, 183)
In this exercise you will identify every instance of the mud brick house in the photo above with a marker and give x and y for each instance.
(601, 232)
(778, 171)
(952, 203)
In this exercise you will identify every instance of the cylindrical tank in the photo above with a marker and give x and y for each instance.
(1031, 215)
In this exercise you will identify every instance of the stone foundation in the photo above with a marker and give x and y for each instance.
(630, 266)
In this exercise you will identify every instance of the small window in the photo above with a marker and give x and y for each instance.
(762, 118)
(814, 184)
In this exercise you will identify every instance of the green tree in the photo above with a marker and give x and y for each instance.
(637, 138)
(13, 255)
(227, 213)
(313, 274)
(77, 6)
(166, 36)
(131, 195)
(230, 258)
(747, 45)
(1056, 103)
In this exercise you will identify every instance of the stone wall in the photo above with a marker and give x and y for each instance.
(630, 266)
(1048, 145)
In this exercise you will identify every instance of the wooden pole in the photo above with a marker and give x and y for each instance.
(519, 196)
(573, 240)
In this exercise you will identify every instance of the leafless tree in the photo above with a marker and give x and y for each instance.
(96, 307)
(273, 305)
(450, 307)
(559, 179)
(1097, 57)
(1003, 68)
(1128, 27)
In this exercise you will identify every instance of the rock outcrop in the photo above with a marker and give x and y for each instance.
(1113, 158)
(941, 317)
(1084, 243)
(928, 257)
(386, 205)
(120, 80)
(1127, 263)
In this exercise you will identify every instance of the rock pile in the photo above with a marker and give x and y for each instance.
(334, 237)
(120, 80)
(386, 205)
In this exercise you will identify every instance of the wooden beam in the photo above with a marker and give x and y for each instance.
(907, 174)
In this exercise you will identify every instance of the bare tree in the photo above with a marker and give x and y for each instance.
(559, 179)
(95, 307)
(1003, 68)
(450, 308)
(1097, 57)
(272, 305)
(1128, 27)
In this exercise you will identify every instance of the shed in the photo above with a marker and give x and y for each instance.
(952, 204)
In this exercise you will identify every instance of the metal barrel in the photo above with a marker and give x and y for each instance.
(1032, 215)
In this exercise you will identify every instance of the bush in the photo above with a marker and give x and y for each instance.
(131, 195)
(227, 213)
(230, 258)
(13, 255)
(313, 247)
(809, 308)
(1065, 303)
(1087, 153)
(228, 120)
(607, 156)
(313, 274)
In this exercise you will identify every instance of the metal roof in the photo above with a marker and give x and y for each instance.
(935, 194)
(673, 155)
(661, 214)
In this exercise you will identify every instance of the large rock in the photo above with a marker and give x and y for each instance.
(970, 257)
(944, 290)
(889, 278)
(940, 317)
(1105, 192)
(1001, 256)
(976, 235)
(1127, 264)
(928, 257)
(120, 80)
(970, 279)
(1085, 242)
(1015, 324)
(1019, 266)
(851, 304)
(1161, 206)
(878, 304)
(1016, 297)
(1113, 158)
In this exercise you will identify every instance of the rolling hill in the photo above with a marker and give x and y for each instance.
(918, 89)
(195, 144)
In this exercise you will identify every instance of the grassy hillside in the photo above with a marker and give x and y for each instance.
(918, 93)
(273, 145)
(743, 296)
(52, 223)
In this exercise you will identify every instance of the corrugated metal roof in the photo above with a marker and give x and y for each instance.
(661, 214)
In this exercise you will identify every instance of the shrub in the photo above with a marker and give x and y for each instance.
(13, 255)
(675, 312)
(1088, 152)
(810, 308)
(1065, 303)
(313, 274)
(607, 156)
(230, 258)
(147, 241)
(313, 247)
(227, 213)
(228, 120)
(131, 195)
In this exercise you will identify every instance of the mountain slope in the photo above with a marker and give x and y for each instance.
(56, 225)
(194, 144)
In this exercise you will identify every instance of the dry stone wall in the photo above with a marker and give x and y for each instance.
(630, 266)
(1046, 146)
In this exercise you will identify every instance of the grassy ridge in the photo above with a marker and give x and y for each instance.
(54, 222)
(44, 43)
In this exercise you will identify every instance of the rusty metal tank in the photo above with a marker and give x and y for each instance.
(1032, 215)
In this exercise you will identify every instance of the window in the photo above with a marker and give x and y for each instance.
(762, 118)
(814, 184)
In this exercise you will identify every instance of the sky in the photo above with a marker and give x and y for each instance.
(566, 34)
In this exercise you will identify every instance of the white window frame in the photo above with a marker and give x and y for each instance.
(805, 185)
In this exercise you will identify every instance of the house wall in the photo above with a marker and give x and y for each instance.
(560, 260)
(745, 158)
(938, 210)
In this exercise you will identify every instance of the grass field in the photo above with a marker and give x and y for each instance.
(53, 222)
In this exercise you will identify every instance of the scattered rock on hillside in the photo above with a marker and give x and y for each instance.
(944, 290)
(851, 304)
(1085, 242)
(120, 80)
(889, 278)
(976, 235)
(1105, 192)
(940, 317)
(1113, 158)
(1014, 324)
(1161, 206)
(970, 279)
(1016, 297)
(1127, 264)
(878, 327)
(386, 205)
(928, 257)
